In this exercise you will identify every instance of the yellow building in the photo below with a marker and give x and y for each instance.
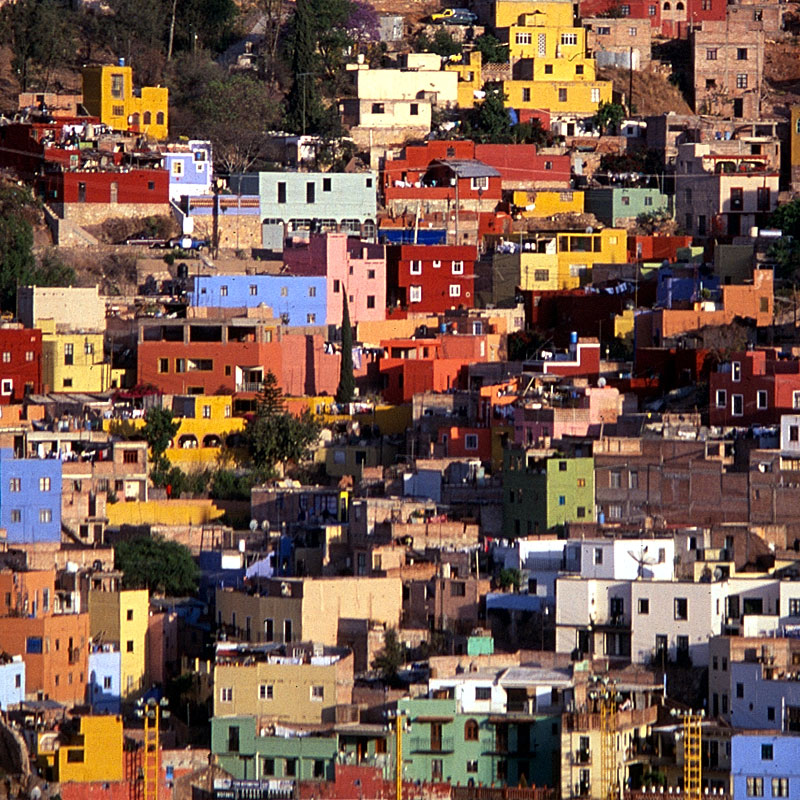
(794, 136)
(562, 97)
(508, 12)
(470, 80)
(108, 94)
(547, 203)
(120, 616)
(73, 361)
(85, 750)
(564, 260)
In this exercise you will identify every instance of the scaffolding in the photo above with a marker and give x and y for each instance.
(608, 748)
(150, 765)
(692, 756)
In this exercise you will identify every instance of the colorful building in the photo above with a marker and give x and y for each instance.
(617, 206)
(12, 681)
(543, 203)
(542, 491)
(108, 93)
(103, 692)
(21, 350)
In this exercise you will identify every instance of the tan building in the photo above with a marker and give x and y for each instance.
(307, 609)
(618, 42)
(437, 86)
(386, 122)
(300, 684)
(120, 617)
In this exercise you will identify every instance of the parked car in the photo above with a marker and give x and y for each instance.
(182, 242)
(454, 16)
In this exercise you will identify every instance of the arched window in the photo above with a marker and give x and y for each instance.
(679, 6)
(135, 120)
(470, 731)
(147, 118)
(160, 118)
(667, 6)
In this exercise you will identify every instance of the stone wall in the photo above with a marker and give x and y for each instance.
(236, 232)
(97, 213)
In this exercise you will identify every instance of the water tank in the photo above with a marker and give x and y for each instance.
(573, 337)
(121, 62)
(601, 518)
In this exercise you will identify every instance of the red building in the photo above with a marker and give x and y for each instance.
(26, 146)
(754, 388)
(521, 167)
(21, 366)
(461, 442)
(656, 248)
(670, 18)
(430, 278)
(635, 9)
(149, 186)
(582, 358)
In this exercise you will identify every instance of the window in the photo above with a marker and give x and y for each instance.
(681, 608)
(44, 484)
(711, 54)
(281, 191)
(472, 766)
(633, 479)
(548, 165)
(562, 95)
(651, 10)
(569, 38)
(648, 200)
(75, 756)
(291, 767)
(233, 735)
(336, 287)
(741, 80)
(548, 70)
(268, 766)
(311, 192)
(129, 615)
(68, 355)
(737, 405)
(284, 291)
(311, 319)
(741, 54)
(163, 365)
(318, 693)
(6, 357)
(414, 109)
(615, 479)
(631, 31)
(326, 184)
(117, 86)
(319, 768)
(771, 713)
(415, 296)
(455, 290)
(526, 92)
(29, 355)
(626, 200)
(796, 400)
(794, 433)
(378, 108)
(766, 752)
(562, 499)
(269, 630)
(763, 201)
(626, 12)
(15, 485)
(541, 275)
(287, 630)
(107, 682)
(458, 267)
(483, 693)
(595, 95)
(45, 515)
(479, 183)
(415, 268)
(644, 605)
(721, 398)
(522, 38)
(598, 555)
(226, 694)
(705, 5)
(16, 515)
(794, 607)
(604, 31)
(458, 589)
(761, 398)
(780, 787)
(130, 645)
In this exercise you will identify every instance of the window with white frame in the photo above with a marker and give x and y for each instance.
(458, 267)
(796, 400)
(737, 405)
(522, 38)
(223, 291)
(416, 268)
(7, 386)
(736, 371)
(471, 441)
(455, 290)
(595, 95)
(318, 693)
(226, 694)
(266, 691)
(414, 294)
(45, 515)
(437, 264)
(44, 484)
(721, 398)
(762, 399)
(479, 183)
(569, 38)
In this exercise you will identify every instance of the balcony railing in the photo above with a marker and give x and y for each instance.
(249, 386)
(423, 744)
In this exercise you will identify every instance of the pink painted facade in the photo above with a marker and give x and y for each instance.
(163, 660)
(584, 415)
(351, 266)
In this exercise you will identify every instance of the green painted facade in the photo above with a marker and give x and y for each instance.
(443, 743)
(541, 492)
(612, 204)
(480, 646)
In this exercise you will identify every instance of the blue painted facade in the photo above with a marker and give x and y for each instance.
(103, 688)
(772, 760)
(12, 683)
(190, 170)
(30, 498)
(685, 285)
(300, 300)
(336, 196)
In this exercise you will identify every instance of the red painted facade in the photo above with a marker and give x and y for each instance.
(637, 9)
(25, 147)
(20, 363)
(134, 186)
(430, 278)
(520, 163)
(671, 18)
(459, 442)
(656, 248)
(754, 388)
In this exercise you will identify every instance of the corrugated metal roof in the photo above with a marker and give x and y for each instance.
(470, 168)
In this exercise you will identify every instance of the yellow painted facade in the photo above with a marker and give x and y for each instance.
(538, 272)
(623, 324)
(108, 94)
(547, 203)
(121, 617)
(569, 97)
(94, 754)
(73, 362)
(578, 252)
(469, 78)
(509, 12)
(550, 41)
(163, 512)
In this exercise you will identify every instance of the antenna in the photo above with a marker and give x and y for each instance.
(642, 560)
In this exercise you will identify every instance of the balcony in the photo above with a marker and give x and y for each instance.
(581, 758)
(423, 744)
(249, 386)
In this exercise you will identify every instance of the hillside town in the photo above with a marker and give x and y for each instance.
(399, 401)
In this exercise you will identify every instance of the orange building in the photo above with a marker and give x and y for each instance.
(30, 593)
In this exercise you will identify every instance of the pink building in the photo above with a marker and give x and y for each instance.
(350, 265)
(163, 659)
(584, 412)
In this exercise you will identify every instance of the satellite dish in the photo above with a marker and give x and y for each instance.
(718, 574)
(601, 382)
(286, 589)
(253, 525)
(642, 560)
(265, 525)
(589, 229)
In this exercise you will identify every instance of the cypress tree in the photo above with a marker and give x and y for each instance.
(346, 390)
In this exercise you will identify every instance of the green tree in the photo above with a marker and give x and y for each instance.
(158, 431)
(510, 579)
(491, 121)
(442, 44)
(389, 660)
(273, 435)
(608, 117)
(786, 250)
(491, 49)
(153, 563)
(346, 391)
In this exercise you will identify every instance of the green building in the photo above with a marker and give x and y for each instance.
(614, 205)
(542, 490)
(246, 754)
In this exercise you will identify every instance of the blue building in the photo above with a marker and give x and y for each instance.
(12, 682)
(765, 766)
(103, 688)
(296, 299)
(30, 498)
(190, 169)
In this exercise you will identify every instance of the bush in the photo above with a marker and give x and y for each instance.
(226, 485)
